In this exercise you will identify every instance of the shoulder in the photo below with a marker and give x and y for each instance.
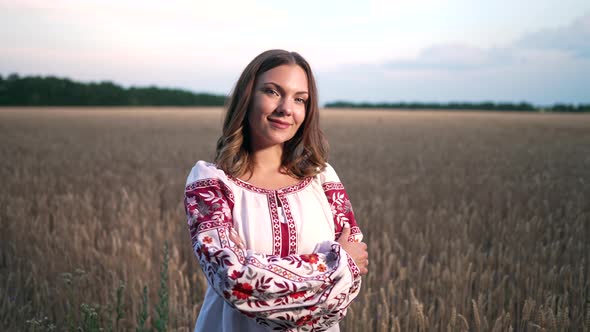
(328, 174)
(203, 170)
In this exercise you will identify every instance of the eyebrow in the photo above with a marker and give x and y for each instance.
(282, 90)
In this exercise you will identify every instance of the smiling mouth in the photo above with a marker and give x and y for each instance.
(279, 124)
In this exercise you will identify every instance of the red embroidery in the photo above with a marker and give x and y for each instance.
(261, 286)
(284, 237)
(242, 291)
(356, 272)
(287, 190)
(311, 258)
(297, 295)
(341, 210)
(236, 275)
(208, 205)
(306, 320)
(277, 242)
(291, 231)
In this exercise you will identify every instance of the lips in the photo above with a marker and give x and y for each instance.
(279, 123)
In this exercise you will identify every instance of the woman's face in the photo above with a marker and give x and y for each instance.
(277, 109)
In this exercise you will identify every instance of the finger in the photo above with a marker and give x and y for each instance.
(233, 235)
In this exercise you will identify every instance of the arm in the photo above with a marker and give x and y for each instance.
(340, 205)
(311, 290)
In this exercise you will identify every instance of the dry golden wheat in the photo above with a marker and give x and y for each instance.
(473, 220)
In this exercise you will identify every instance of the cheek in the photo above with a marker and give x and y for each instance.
(301, 116)
(263, 104)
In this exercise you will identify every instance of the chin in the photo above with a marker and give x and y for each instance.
(280, 139)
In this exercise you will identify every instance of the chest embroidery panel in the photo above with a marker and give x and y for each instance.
(284, 234)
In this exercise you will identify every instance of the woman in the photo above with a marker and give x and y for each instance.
(270, 222)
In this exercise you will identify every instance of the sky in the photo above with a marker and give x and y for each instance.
(371, 51)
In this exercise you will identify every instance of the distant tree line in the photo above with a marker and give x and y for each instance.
(55, 91)
(486, 106)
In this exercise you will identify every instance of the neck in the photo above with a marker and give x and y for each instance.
(267, 159)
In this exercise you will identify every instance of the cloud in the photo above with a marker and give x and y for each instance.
(574, 38)
(456, 57)
(546, 67)
(387, 8)
(544, 79)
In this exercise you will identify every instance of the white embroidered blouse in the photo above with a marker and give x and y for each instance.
(293, 276)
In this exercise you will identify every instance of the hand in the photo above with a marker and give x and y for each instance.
(356, 250)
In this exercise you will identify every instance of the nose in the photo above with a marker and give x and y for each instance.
(285, 107)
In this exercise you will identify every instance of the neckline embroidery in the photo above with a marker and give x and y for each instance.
(283, 190)
(284, 233)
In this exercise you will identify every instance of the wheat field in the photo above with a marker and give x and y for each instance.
(474, 221)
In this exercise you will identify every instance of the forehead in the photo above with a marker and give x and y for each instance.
(291, 77)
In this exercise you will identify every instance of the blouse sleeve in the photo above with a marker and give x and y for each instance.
(304, 292)
(340, 205)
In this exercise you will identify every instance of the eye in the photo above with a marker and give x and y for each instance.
(271, 92)
(300, 100)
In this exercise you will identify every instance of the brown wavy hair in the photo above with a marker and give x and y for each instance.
(304, 155)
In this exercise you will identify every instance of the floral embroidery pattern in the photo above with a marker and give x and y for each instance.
(242, 291)
(293, 293)
(311, 258)
(341, 210)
